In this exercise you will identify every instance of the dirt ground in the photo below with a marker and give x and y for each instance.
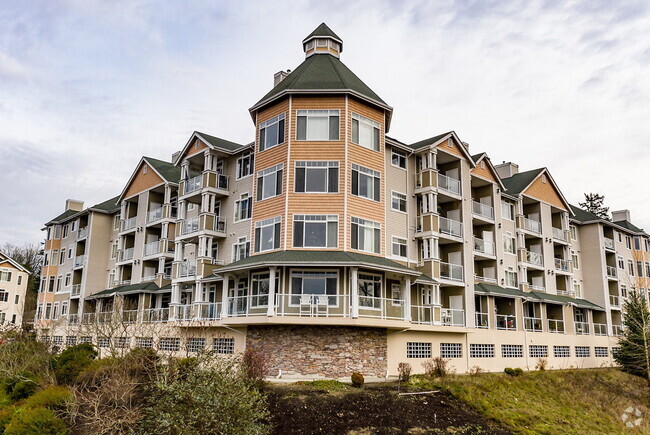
(375, 409)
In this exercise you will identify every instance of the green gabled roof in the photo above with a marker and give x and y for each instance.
(477, 157)
(217, 142)
(323, 30)
(424, 279)
(581, 303)
(108, 206)
(495, 290)
(63, 216)
(132, 288)
(316, 258)
(518, 182)
(321, 72)
(629, 226)
(429, 141)
(167, 170)
(583, 215)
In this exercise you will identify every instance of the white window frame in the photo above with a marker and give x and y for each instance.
(245, 156)
(241, 242)
(274, 174)
(512, 351)
(561, 351)
(510, 215)
(294, 299)
(243, 197)
(321, 219)
(280, 120)
(401, 157)
(364, 122)
(374, 177)
(481, 350)
(538, 351)
(272, 222)
(508, 237)
(318, 113)
(399, 241)
(373, 279)
(400, 197)
(314, 165)
(418, 350)
(366, 224)
(451, 350)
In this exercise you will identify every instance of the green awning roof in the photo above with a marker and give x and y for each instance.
(561, 299)
(495, 290)
(518, 182)
(429, 141)
(423, 279)
(148, 287)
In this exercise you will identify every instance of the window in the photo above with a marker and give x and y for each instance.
(398, 201)
(647, 269)
(71, 340)
(310, 45)
(243, 208)
(538, 351)
(244, 165)
(576, 289)
(272, 132)
(5, 276)
(396, 294)
(64, 308)
(195, 344)
(59, 281)
(582, 351)
(512, 351)
(574, 232)
(57, 232)
(366, 183)
(73, 226)
(600, 352)
(481, 350)
(267, 234)
(418, 350)
(50, 288)
(320, 125)
(451, 350)
(116, 222)
(48, 311)
(365, 235)
(623, 291)
(365, 132)
(16, 299)
(511, 278)
(85, 339)
(172, 344)
(114, 250)
(57, 340)
(507, 210)
(637, 243)
(639, 268)
(398, 158)
(630, 267)
(544, 178)
(144, 342)
(399, 247)
(561, 351)
(223, 345)
(574, 260)
(508, 243)
(65, 232)
(628, 242)
(315, 231)
(241, 249)
(4, 296)
(70, 252)
(317, 177)
(61, 259)
(260, 289)
(615, 350)
(621, 263)
(55, 257)
(103, 342)
(55, 311)
(369, 290)
(269, 182)
(314, 284)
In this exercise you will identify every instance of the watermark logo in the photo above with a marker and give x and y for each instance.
(632, 417)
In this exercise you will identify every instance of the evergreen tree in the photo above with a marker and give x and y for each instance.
(634, 352)
(595, 203)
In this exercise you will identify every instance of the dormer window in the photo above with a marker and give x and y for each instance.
(310, 45)
(321, 42)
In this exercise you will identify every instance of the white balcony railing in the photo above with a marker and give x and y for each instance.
(556, 326)
(193, 184)
(609, 244)
(154, 215)
(452, 317)
(153, 315)
(600, 329)
(485, 279)
(484, 246)
(73, 319)
(130, 316)
(560, 234)
(611, 271)
(539, 288)
(129, 223)
(507, 322)
(152, 248)
(534, 258)
(532, 225)
(533, 324)
(83, 232)
(76, 290)
(448, 184)
(79, 260)
(614, 301)
(186, 269)
(482, 320)
(483, 210)
(210, 311)
(183, 312)
(148, 278)
(190, 226)
(451, 227)
(562, 265)
(582, 328)
(451, 271)
(127, 254)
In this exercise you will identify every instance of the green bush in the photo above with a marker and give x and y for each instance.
(357, 380)
(6, 414)
(513, 372)
(36, 421)
(72, 361)
(20, 386)
(53, 397)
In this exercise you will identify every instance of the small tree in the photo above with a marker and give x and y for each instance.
(634, 352)
(595, 203)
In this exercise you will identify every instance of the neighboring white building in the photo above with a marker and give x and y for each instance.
(13, 288)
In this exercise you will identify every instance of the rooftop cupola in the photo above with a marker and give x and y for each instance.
(322, 41)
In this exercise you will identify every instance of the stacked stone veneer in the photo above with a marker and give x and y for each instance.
(320, 351)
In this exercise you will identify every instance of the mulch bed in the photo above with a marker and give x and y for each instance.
(375, 409)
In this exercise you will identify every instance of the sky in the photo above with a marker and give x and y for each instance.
(88, 87)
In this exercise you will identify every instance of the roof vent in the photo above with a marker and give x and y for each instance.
(621, 215)
(279, 76)
(507, 169)
(73, 204)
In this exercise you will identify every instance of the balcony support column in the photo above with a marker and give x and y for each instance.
(354, 291)
(271, 303)
(224, 295)
(407, 299)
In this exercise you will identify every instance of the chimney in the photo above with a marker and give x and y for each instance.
(175, 155)
(621, 215)
(507, 169)
(279, 76)
(73, 204)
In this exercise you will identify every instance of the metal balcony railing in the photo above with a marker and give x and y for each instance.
(611, 272)
(484, 246)
(451, 271)
(534, 258)
(190, 226)
(483, 210)
(609, 243)
(532, 225)
(560, 234)
(452, 317)
(152, 248)
(451, 227)
(129, 223)
(79, 260)
(83, 232)
(562, 265)
(448, 184)
(154, 215)
(193, 184)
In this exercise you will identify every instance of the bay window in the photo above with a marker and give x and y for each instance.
(272, 132)
(365, 132)
(314, 284)
(365, 235)
(320, 125)
(269, 182)
(267, 234)
(317, 177)
(315, 231)
(366, 183)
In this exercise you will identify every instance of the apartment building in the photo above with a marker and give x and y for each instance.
(334, 248)
(13, 288)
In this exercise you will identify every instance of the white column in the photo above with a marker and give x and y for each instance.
(198, 292)
(407, 298)
(354, 291)
(224, 295)
(271, 308)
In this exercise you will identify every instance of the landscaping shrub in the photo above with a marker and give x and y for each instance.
(6, 414)
(404, 370)
(357, 380)
(513, 372)
(53, 397)
(254, 366)
(40, 421)
(20, 385)
(72, 361)
(436, 367)
(476, 370)
(542, 363)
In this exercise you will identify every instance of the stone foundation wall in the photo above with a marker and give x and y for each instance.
(321, 351)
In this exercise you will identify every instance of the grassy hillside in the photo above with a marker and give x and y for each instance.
(552, 402)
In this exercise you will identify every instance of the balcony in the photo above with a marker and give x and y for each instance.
(193, 184)
(76, 290)
(582, 328)
(614, 300)
(154, 215)
(484, 211)
(482, 320)
(190, 226)
(485, 279)
(484, 246)
(609, 244)
(506, 322)
(79, 260)
(533, 324)
(152, 248)
(556, 326)
(533, 258)
(210, 311)
(539, 288)
(600, 329)
(129, 223)
(126, 254)
(186, 270)
(562, 265)
(532, 225)
(452, 317)
(451, 227)
(83, 232)
(155, 315)
(183, 312)
(560, 234)
(448, 184)
(611, 272)
(452, 272)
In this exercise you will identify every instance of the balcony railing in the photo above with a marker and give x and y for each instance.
(148, 278)
(79, 260)
(448, 184)
(617, 330)
(154, 215)
(127, 254)
(600, 329)
(507, 322)
(154, 315)
(222, 182)
(483, 210)
(614, 301)
(76, 290)
(220, 224)
(532, 225)
(129, 223)
(533, 324)
(560, 234)
(482, 320)
(88, 318)
(83, 232)
(556, 326)
(130, 316)
(73, 319)
(450, 271)
(582, 328)
(452, 317)
(562, 265)
(539, 288)
(152, 248)
(534, 258)
(190, 226)
(451, 227)
(210, 311)
(183, 312)
(611, 271)
(609, 244)
(484, 246)
(485, 279)
(193, 184)
(105, 316)
(303, 305)
(186, 269)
